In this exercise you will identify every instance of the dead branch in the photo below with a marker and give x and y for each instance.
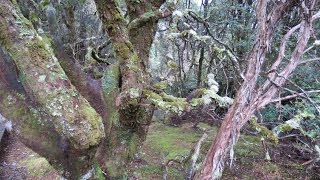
(293, 96)
(309, 60)
(305, 94)
(195, 156)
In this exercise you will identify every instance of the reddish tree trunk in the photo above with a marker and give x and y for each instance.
(250, 97)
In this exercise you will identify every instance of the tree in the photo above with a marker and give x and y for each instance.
(48, 114)
(60, 112)
(251, 95)
(84, 107)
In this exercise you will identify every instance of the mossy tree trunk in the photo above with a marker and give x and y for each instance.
(61, 113)
(128, 122)
(48, 113)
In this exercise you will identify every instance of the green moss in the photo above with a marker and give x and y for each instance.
(90, 114)
(33, 17)
(110, 87)
(20, 112)
(114, 118)
(110, 81)
(154, 171)
(286, 128)
(153, 96)
(171, 142)
(98, 173)
(4, 35)
(39, 47)
(172, 65)
(149, 14)
(44, 4)
(271, 167)
(264, 131)
(175, 174)
(115, 171)
(165, 143)
(196, 102)
(248, 146)
(133, 145)
(35, 54)
(161, 85)
(37, 166)
(95, 121)
(25, 26)
(166, 102)
(122, 51)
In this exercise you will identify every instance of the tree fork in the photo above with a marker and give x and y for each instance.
(249, 99)
(48, 114)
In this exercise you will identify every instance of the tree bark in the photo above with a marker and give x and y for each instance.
(249, 98)
(73, 111)
(48, 114)
(131, 45)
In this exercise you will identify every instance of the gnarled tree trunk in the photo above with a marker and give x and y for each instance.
(61, 112)
(49, 114)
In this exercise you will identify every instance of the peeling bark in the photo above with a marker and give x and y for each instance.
(250, 98)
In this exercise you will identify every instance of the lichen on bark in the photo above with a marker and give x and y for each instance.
(49, 114)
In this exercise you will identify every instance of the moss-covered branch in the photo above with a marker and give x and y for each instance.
(197, 97)
(128, 59)
(148, 16)
(173, 104)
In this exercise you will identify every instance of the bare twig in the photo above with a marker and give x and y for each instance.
(309, 60)
(290, 135)
(228, 50)
(306, 95)
(166, 169)
(281, 54)
(293, 96)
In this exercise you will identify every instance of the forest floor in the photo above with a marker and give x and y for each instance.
(171, 145)
(18, 162)
(166, 151)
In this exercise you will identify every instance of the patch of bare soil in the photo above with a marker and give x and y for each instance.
(12, 155)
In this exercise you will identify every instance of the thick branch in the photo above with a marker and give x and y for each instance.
(49, 114)
(147, 17)
(178, 105)
(194, 158)
(281, 53)
(124, 51)
(304, 36)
